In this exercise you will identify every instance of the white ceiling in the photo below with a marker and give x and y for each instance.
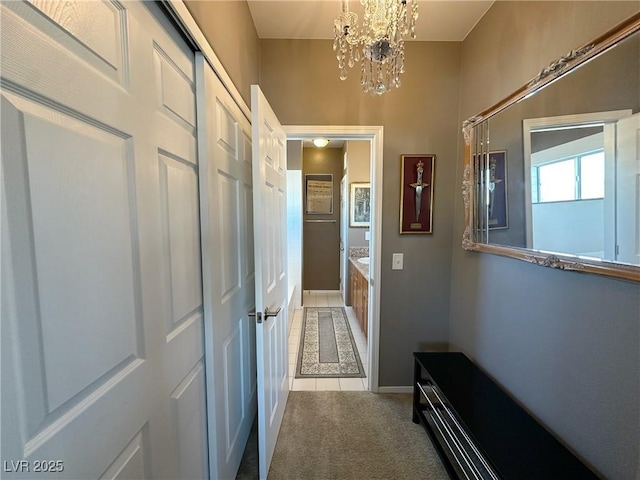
(443, 20)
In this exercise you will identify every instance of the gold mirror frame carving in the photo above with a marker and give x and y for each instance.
(555, 70)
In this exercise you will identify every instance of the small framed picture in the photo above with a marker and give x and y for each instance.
(319, 194)
(416, 194)
(359, 204)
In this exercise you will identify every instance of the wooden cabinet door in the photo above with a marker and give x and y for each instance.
(352, 285)
(365, 308)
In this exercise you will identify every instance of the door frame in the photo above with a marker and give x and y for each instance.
(375, 134)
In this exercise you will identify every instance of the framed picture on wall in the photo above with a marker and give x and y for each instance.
(319, 194)
(496, 190)
(416, 194)
(498, 208)
(359, 204)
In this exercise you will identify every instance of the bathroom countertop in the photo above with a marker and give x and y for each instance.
(362, 268)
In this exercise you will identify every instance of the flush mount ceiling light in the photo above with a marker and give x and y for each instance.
(379, 42)
(320, 142)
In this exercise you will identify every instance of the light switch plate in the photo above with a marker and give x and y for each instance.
(397, 263)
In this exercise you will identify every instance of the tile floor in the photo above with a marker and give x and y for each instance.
(325, 299)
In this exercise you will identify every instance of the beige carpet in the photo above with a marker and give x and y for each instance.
(352, 435)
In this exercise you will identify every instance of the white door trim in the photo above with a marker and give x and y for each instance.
(375, 135)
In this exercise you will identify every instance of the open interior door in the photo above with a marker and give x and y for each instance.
(270, 224)
(628, 190)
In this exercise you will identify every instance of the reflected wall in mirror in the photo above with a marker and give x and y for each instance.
(573, 164)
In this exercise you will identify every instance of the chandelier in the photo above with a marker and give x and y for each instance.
(379, 42)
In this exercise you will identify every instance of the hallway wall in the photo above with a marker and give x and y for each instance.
(300, 79)
(321, 240)
(359, 168)
(228, 26)
(566, 345)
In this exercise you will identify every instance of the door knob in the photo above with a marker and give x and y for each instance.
(267, 313)
(271, 313)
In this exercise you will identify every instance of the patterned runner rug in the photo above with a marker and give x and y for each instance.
(327, 348)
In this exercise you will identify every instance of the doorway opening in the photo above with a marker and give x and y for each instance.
(335, 226)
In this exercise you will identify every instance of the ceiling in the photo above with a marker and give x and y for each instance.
(444, 20)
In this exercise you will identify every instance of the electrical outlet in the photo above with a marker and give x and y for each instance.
(397, 262)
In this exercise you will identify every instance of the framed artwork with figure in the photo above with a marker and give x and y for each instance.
(416, 194)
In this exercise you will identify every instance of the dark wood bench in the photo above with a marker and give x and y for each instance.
(481, 432)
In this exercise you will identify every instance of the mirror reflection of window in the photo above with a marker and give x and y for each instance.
(557, 181)
(577, 178)
(592, 175)
(568, 190)
(583, 177)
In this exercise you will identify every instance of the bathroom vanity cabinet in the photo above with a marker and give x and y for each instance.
(359, 296)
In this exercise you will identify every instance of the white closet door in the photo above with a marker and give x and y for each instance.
(102, 344)
(226, 194)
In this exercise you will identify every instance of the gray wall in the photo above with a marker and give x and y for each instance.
(294, 154)
(359, 167)
(300, 79)
(228, 27)
(321, 240)
(566, 345)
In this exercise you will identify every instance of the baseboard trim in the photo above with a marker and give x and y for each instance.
(398, 389)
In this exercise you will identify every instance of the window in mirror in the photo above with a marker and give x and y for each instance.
(557, 181)
(577, 178)
(574, 184)
(592, 175)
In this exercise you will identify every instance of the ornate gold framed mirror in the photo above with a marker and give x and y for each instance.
(552, 172)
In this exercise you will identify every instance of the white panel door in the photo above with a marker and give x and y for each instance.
(628, 190)
(102, 343)
(228, 276)
(270, 228)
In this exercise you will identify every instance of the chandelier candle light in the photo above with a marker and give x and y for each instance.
(379, 42)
